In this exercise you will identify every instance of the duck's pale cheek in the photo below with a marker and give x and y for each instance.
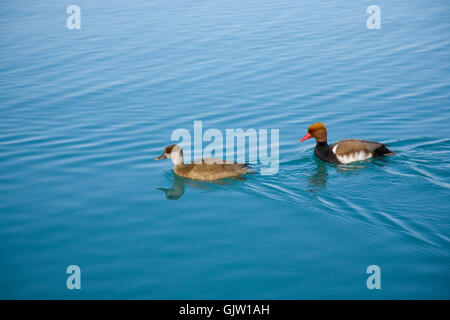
(177, 158)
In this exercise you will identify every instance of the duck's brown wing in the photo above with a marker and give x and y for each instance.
(212, 170)
(351, 146)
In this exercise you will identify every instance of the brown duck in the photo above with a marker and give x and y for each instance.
(344, 151)
(203, 169)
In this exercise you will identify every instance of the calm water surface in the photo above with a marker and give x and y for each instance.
(83, 113)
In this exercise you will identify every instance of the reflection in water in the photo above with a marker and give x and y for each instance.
(360, 165)
(177, 188)
(352, 167)
(319, 178)
(179, 183)
(316, 182)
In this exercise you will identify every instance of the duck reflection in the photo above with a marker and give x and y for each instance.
(179, 183)
(177, 189)
(319, 178)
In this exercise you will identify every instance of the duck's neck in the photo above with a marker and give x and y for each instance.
(324, 152)
(323, 144)
(177, 159)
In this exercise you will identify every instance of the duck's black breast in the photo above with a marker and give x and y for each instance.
(325, 153)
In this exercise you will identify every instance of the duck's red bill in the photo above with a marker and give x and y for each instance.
(306, 137)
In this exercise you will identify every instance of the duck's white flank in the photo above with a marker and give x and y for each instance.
(352, 156)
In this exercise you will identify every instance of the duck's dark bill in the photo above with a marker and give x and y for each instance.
(163, 156)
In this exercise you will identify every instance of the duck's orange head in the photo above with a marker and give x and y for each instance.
(316, 130)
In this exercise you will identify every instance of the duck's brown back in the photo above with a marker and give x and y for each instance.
(211, 169)
(348, 146)
(351, 150)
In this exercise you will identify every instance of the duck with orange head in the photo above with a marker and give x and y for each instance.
(344, 151)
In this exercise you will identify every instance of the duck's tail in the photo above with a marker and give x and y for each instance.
(383, 151)
(250, 169)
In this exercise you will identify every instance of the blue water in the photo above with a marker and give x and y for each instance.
(83, 113)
